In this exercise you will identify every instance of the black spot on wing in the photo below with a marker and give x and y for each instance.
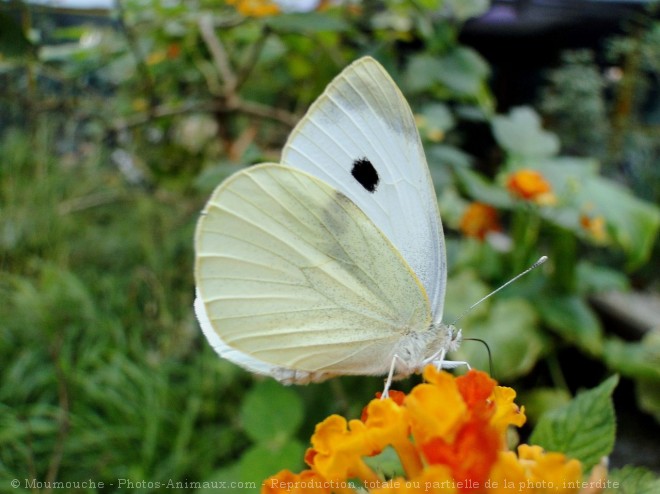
(365, 173)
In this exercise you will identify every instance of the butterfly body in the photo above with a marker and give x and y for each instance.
(331, 262)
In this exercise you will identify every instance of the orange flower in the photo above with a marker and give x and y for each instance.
(595, 227)
(173, 51)
(506, 411)
(478, 220)
(338, 447)
(530, 185)
(255, 8)
(449, 434)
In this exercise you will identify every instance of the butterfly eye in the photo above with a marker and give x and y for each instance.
(365, 173)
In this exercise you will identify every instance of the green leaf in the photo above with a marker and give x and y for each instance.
(639, 360)
(480, 189)
(574, 320)
(436, 117)
(583, 429)
(647, 393)
(464, 9)
(421, 73)
(541, 400)
(229, 475)
(462, 70)
(271, 413)
(309, 22)
(466, 289)
(440, 156)
(13, 42)
(260, 462)
(520, 134)
(633, 223)
(632, 480)
(386, 463)
(594, 279)
(513, 336)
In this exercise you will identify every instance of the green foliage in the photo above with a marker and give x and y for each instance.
(574, 101)
(112, 138)
(543, 400)
(271, 416)
(572, 318)
(633, 480)
(583, 429)
(509, 325)
(521, 135)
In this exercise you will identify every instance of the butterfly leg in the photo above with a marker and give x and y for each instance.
(390, 376)
(439, 362)
(453, 364)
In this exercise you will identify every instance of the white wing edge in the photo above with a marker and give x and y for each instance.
(282, 374)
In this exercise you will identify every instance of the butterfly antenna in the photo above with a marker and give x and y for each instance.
(490, 357)
(533, 266)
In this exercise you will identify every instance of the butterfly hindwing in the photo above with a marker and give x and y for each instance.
(290, 272)
(360, 137)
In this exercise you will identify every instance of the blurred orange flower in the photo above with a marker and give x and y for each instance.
(531, 185)
(478, 220)
(255, 8)
(449, 434)
(594, 226)
(173, 51)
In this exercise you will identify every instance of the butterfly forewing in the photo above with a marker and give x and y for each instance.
(360, 138)
(292, 273)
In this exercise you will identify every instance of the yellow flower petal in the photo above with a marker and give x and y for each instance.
(388, 424)
(549, 472)
(437, 409)
(338, 449)
(507, 475)
(448, 433)
(506, 411)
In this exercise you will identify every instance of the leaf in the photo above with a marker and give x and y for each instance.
(574, 320)
(639, 360)
(583, 429)
(440, 156)
(480, 189)
(386, 463)
(464, 9)
(647, 393)
(632, 480)
(462, 70)
(541, 400)
(228, 475)
(513, 336)
(421, 73)
(632, 222)
(13, 42)
(260, 462)
(271, 412)
(307, 22)
(436, 117)
(466, 288)
(520, 134)
(594, 279)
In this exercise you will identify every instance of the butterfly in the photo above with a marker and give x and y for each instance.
(333, 261)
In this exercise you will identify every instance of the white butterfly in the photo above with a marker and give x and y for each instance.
(332, 262)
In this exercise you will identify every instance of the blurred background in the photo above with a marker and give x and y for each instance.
(541, 123)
